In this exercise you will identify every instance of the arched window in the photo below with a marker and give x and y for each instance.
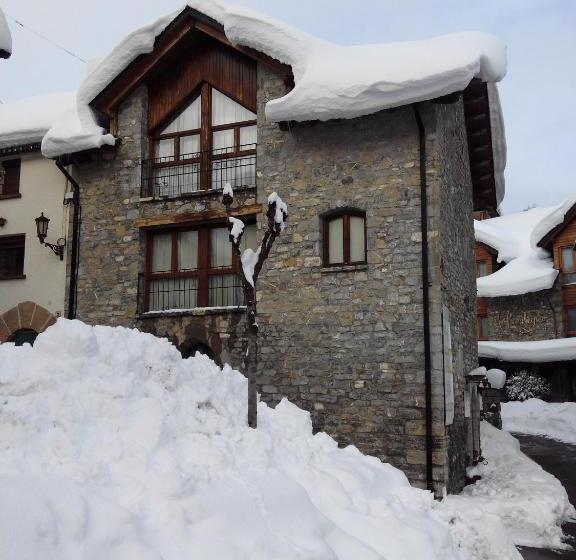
(345, 238)
(211, 142)
(23, 336)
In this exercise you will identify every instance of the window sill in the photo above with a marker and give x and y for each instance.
(8, 196)
(14, 277)
(197, 311)
(194, 194)
(344, 268)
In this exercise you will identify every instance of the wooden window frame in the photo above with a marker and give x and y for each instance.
(560, 251)
(16, 241)
(205, 156)
(568, 333)
(346, 215)
(204, 270)
(14, 190)
(479, 333)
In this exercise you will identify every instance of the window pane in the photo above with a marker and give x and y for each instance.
(164, 150)
(188, 119)
(484, 327)
(481, 269)
(220, 248)
(172, 293)
(172, 181)
(357, 242)
(223, 141)
(571, 319)
(162, 252)
(226, 110)
(189, 146)
(567, 258)
(249, 239)
(224, 290)
(12, 261)
(248, 136)
(336, 241)
(188, 250)
(10, 176)
(239, 172)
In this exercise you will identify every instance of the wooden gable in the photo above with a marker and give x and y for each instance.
(192, 49)
(563, 235)
(485, 253)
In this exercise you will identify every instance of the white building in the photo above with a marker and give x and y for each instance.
(32, 275)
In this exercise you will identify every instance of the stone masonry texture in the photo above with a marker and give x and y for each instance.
(345, 344)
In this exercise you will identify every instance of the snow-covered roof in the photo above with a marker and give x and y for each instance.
(331, 81)
(27, 121)
(531, 351)
(5, 37)
(515, 237)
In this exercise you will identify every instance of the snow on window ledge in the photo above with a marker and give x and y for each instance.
(194, 311)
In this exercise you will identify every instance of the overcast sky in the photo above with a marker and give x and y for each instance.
(538, 94)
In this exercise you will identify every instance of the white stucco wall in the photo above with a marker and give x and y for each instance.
(42, 187)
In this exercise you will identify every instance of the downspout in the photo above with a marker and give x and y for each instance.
(425, 295)
(74, 261)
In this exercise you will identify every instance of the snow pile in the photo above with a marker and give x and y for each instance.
(27, 121)
(496, 378)
(529, 351)
(112, 446)
(528, 268)
(536, 417)
(5, 37)
(529, 502)
(331, 81)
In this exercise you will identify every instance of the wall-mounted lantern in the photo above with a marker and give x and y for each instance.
(42, 230)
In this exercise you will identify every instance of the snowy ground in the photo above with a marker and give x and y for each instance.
(536, 417)
(112, 446)
(529, 502)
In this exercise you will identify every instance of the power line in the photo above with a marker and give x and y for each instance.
(45, 38)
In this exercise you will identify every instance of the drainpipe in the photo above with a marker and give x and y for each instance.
(74, 260)
(425, 295)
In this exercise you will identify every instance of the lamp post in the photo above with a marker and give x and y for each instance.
(42, 230)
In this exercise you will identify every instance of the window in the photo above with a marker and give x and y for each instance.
(10, 178)
(570, 320)
(195, 267)
(208, 144)
(345, 238)
(482, 327)
(11, 256)
(567, 259)
(481, 269)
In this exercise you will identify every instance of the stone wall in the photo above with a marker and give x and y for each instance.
(346, 344)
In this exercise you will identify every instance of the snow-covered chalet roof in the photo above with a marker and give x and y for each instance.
(5, 37)
(27, 121)
(331, 81)
(515, 237)
(530, 351)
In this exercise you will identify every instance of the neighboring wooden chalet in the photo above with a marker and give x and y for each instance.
(530, 295)
(366, 304)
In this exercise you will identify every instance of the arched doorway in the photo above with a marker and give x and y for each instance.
(23, 336)
(189, 348)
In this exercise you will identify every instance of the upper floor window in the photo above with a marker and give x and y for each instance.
(482, 327)
(345, 238)
(568, 261)
(211, 142)
(482, 268)
(193, 267)
(11, 256)
(9, 178)
(570, 320)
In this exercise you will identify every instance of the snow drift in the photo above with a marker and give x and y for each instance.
(331, 81)
(540, 418)
(112, 446)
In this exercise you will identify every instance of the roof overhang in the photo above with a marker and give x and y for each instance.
(547, 241)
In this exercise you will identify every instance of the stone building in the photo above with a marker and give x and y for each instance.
(526, 310)
(356, 325)
(32, 277)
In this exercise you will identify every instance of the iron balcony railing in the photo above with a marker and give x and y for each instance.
(183, 290)
(165, 177)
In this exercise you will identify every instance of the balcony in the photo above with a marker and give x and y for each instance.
(188, 290)
(166, 177)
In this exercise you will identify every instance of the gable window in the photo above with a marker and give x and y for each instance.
(11, 257)
(481, 269)
(345, 238)
(193, 267)
(568, 264)
(211, 142)
(10, 178)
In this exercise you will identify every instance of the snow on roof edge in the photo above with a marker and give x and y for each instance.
(555, 218)
(5, 37)
(533, 351)
(429, 69)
